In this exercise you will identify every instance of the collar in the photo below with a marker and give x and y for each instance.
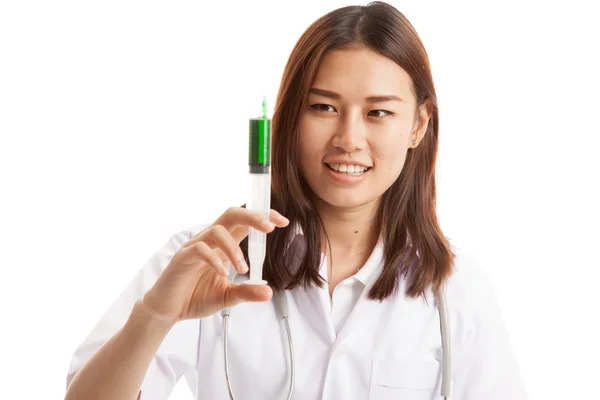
(369, 273)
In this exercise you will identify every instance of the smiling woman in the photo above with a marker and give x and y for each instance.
(354, 138)
(353, 154)
(355, 255)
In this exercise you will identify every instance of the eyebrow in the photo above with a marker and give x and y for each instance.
(370, 99)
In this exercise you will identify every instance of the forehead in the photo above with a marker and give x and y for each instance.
(361, 72)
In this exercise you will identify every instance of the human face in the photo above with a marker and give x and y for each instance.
(361, 119)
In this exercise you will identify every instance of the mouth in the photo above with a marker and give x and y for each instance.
(348, 169)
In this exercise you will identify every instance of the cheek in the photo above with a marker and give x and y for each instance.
(390, 158)
(391, 155)
(313, 137)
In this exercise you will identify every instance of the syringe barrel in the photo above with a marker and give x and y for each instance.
(260, 201)
(260, 195)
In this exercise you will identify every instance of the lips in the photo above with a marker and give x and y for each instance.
(347, 178)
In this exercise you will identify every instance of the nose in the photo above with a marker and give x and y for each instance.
(350, 133)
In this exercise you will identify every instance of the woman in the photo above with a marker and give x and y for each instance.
(354, 248)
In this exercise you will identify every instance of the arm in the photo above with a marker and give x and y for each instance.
(137, 343)
(117, 369)
(163, 358)
(487, 368)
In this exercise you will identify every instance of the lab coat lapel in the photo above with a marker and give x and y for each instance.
(366, 311)
(316, 310)
(362, 317)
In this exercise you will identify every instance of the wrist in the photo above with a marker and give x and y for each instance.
(145, 315)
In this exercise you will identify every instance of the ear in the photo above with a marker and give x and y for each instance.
(423, 114)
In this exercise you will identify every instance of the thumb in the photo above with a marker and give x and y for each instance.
(237, 294)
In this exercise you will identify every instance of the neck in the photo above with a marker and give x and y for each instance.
(350, 231)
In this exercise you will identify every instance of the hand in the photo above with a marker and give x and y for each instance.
(194, 284)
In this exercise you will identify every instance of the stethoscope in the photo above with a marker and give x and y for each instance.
(281, 304)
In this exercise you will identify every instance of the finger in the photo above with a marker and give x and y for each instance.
(275, 219)
(237, 221)
(237, 294)
(201, 252)
(278, 219)
(222, 239)
(232, 219)
(237, 234)
(238, 216)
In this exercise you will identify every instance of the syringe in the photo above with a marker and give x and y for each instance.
(260, 190)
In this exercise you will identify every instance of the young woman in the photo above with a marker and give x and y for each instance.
(355, 253)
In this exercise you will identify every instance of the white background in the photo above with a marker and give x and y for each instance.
(123, 122)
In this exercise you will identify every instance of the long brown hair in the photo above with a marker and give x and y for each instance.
(414, 245)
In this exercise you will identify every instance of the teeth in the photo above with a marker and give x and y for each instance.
(350, 169)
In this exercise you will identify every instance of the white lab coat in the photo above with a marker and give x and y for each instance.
(388, 350)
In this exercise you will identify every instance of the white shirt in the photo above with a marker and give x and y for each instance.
(348, 347)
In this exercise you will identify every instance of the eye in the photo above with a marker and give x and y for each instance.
(323, 107)
(379, 113)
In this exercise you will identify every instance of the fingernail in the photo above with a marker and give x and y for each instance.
(243, 266)
(268, 224)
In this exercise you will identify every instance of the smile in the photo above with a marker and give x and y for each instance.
(349, 169)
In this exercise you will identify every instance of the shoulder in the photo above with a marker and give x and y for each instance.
(469, 289)
(468, 271)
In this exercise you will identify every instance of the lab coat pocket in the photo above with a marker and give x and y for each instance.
(406, 380)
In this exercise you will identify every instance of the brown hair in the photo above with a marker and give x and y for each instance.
(406, 210)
